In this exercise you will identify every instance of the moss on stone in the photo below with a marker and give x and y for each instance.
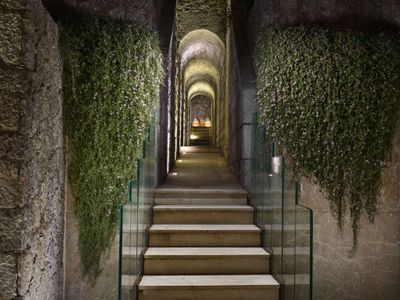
(331, 99)
(112, 75)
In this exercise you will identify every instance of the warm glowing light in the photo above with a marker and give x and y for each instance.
(207, 123)
(200, 69)
(193, 137)
(195, 123)
(201, 88)
(194, 42)
(174, 174)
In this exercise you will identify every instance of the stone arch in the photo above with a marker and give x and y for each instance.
(201, 88)
(202, 43)
(202, 65)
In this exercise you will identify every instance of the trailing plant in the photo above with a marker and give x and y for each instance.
(331, 99)
(112, 75)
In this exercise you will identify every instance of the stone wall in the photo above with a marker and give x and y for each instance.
(31, 153)
(200, 108)
(77, 286)
(242, 95)
(198, 14)
(373, 271)
(357, 14)
(140, 11)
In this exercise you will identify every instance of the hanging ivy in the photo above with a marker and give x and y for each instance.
(112, 75)
(331, 98)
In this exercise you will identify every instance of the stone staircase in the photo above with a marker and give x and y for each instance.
(200, 136)
(203, 243)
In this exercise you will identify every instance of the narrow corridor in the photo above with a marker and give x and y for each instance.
(203, 243)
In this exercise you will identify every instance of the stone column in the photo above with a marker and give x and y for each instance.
(31, 153)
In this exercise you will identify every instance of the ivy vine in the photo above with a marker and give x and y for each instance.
(112, 76)
(331, 98)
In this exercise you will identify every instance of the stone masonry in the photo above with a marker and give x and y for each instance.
(200, 108)
(31, 153)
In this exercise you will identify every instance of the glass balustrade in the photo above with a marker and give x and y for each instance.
(286, 225)
(136, 219)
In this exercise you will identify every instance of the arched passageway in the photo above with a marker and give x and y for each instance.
(201, 72)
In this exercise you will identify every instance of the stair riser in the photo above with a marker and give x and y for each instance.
(204, 239)
(273, 198)
(130, 240)
(202, 217)
(199, 150)
(206, 266)
(273, 182)
(297, 292)
(127, 294)
(130, 266)
(210, 294)
(301, 266)
(200, 143)
(301, 238)
(200, 201)
(275, 216)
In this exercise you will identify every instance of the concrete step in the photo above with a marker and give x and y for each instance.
(200, 142)
(128, 290)
(130, 260)
(175, 196)
(206, 261)
(298, 235)
(211, 287)
(133, 235)
(204, 235)
(295, 260)
(199, 149)
(292, 214)
(297, 286)
(273, 197)
(202, 214)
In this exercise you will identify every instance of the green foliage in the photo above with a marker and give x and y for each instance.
(112, 75)
(331, 98)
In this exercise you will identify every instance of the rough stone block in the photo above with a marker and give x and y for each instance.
(11, 4)
(10, 192)
(9, 113)
(12, 80)
(10, 37)
(11, 146)
(391, 12)
(8, 276)
(245, 178)
(11, 223)
(249, 105)
(245, 141)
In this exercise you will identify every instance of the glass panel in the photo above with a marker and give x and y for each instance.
(287, 226)
(135, 220)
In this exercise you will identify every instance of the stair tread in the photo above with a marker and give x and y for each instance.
(222, 191)
(203, 228)
(291, 250)
(189, 200)
(199, 149)
(193, 252)
(287, 227)
(207, 281)
(203, 207)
